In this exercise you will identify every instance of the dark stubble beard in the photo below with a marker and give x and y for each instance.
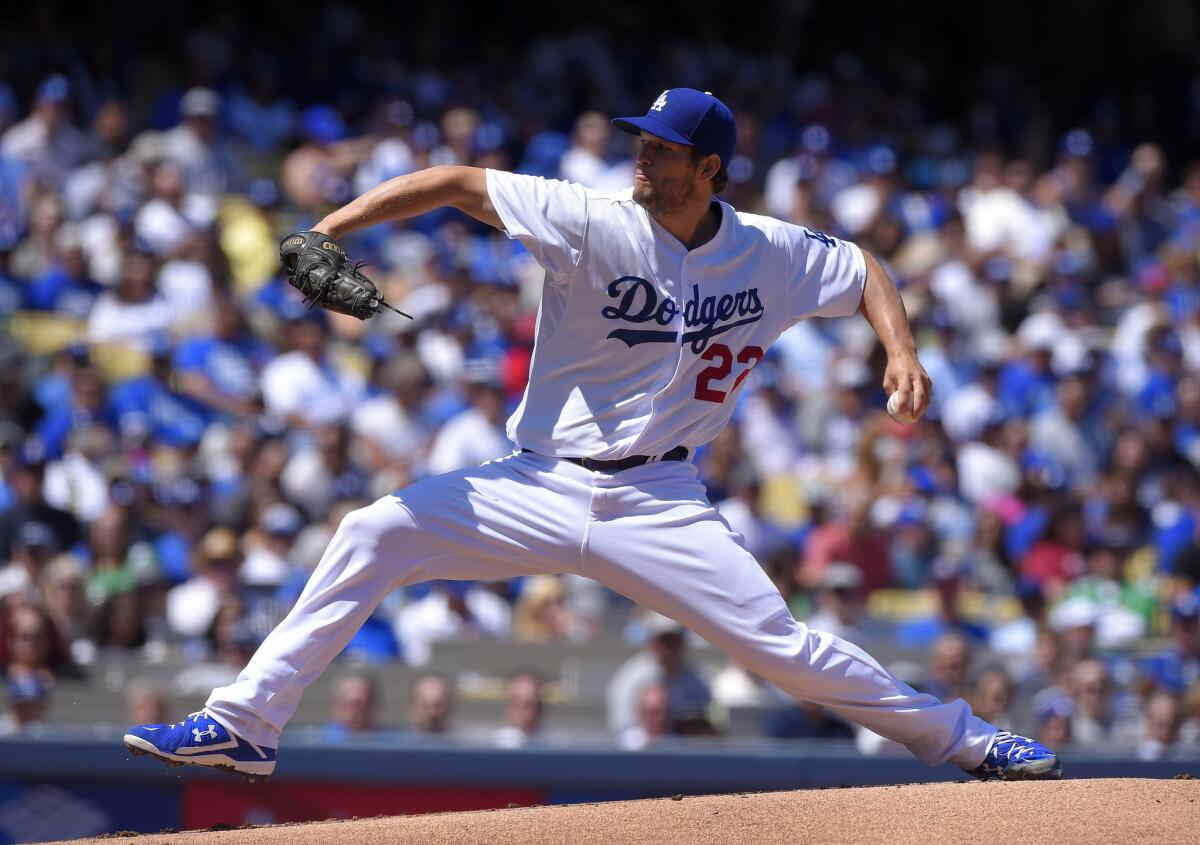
(663, 198)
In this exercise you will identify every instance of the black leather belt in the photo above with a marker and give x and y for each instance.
(679, 453)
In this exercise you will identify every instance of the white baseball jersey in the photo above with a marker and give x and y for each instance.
(642, 344)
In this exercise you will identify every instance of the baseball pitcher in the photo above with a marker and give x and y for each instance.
(658, 302)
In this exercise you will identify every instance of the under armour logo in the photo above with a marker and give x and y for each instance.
(660, 103)
(208, 733)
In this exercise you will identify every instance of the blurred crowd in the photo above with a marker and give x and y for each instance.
(180, 435)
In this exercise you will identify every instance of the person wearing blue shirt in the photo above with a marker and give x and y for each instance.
(86, 405)
(152, 402)
(65, 287)
(182, 517)
(221, 369)
(1157, 396)
(1177, 668)
(1026, 385)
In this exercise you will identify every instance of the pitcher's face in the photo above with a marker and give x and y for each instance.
(665, 175)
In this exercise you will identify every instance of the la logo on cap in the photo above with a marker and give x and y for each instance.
(660, 103)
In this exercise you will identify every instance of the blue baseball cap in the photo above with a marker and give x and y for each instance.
(322, 124)
(687, 116)
(55, 89)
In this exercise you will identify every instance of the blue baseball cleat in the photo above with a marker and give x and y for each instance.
(200, 740)
(1012, 757)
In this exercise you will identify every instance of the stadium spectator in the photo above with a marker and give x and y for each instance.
(992, 695)
(147, 701)
(586, 161)
(541, 613)
(152, 406)
(987, 468)
(304, 387)
(1124, 609)
(119, 562)
(260, 114)
(179, 517)
(653, 721)
(77, 481)
(193, 605)
(227, 645)
(452, 610)
(913, 551)
(1068, 434)
(122, 625)
(948, 673)
(28, 701)
(324, 472)
(34, 255)
(430, 705)
(353, 710)
(30, 506)
(85, 404)
(161, 225)
(1018, 636)
(852, 540)
(66, 288)
(663, 661)
(47, 142)
(1162, 717)
(1058, 557)
(134, 313)
(839, 603)
(1054, 722)
(194, 144)
(318, 170)
(267, 562)
(392, 154)
(62, 592)
(33, 547)
(1075, 621)
(1177, 667)
(1097, 717)
(524, 709)
(220, 368)
(32, 648)
(476, 434)
(188, 280)
(743, 511)
(945, 584)
(989, 568)
(393, 420)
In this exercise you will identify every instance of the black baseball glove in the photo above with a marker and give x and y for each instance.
(319, 268)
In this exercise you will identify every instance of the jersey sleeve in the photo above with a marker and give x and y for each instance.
(828, 276)
(548, 217)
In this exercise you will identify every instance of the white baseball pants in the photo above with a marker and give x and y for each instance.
(647, 532)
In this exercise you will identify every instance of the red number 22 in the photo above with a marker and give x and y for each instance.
(723, 356)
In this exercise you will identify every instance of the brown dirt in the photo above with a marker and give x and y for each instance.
(1084, 811)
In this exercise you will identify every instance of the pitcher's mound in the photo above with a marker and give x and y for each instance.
(1085, 811)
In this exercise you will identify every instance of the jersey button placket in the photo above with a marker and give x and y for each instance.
(685, 280)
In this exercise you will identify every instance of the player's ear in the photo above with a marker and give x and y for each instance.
(709, 165)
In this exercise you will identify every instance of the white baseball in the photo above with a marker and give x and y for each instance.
(904, 415)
